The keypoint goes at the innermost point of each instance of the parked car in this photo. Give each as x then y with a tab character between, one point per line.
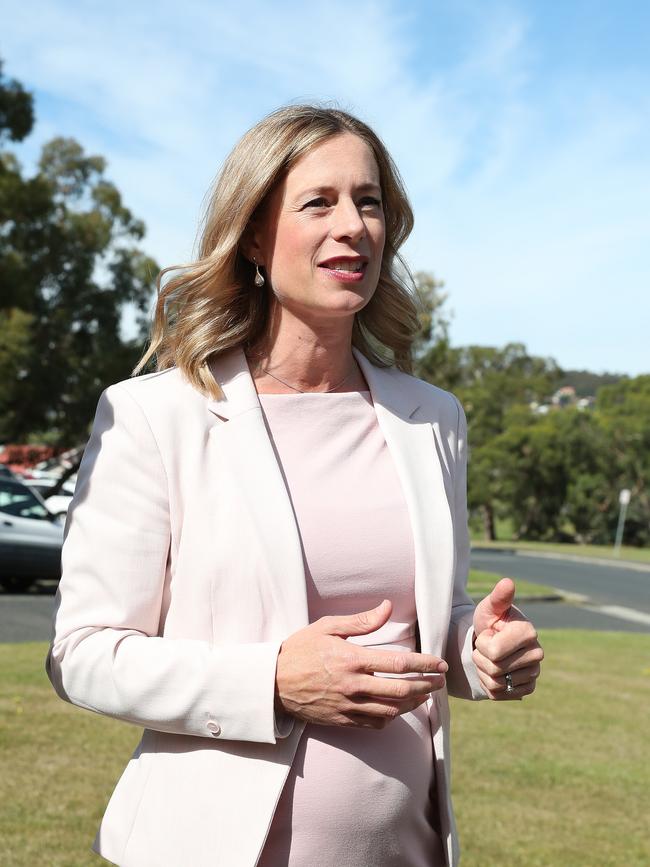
58	503
31	537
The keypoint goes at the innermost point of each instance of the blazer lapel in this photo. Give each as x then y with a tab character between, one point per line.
418	460
412	446
243	437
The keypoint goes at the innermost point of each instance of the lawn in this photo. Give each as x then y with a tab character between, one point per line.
480	583
561	779
504	534
600	552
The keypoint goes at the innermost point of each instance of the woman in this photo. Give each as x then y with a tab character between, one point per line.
265	560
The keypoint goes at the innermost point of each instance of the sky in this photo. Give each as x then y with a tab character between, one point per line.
521	129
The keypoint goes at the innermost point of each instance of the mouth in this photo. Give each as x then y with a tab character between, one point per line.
345	267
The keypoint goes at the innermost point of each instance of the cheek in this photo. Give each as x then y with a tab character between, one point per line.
378	242
292	246
381	234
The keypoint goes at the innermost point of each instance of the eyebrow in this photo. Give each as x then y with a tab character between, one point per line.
325	188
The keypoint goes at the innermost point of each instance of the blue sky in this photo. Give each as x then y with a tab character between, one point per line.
522	130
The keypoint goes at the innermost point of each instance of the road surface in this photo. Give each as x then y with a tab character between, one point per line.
616	598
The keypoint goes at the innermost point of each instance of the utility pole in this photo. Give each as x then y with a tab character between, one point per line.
624	500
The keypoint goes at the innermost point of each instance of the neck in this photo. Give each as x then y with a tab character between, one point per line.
308	358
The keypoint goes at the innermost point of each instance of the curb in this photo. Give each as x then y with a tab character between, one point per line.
572	558
556	596
560	596
593	561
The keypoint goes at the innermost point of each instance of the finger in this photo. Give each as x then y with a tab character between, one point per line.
398	662
516	694
514	614
519	678
502	596
360	721
384	709
360	623
520	659
518	691
392	688
514	636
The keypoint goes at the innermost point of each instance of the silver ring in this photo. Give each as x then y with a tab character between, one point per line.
510	687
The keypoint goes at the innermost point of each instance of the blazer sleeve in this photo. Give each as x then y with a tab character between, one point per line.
462	677
107	653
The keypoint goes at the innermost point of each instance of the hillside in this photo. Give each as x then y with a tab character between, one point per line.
587	383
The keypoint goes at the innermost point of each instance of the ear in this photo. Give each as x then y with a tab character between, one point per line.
251	244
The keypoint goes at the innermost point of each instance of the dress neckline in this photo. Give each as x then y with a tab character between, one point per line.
318	394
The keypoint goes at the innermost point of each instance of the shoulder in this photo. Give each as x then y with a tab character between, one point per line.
151	386
434	403
155	394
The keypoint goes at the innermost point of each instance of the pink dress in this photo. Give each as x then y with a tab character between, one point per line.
353	798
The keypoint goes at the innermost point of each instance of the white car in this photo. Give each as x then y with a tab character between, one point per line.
30	537
58	503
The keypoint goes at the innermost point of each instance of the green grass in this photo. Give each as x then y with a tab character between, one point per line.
560	779
59	765
480	583
505	530
601	552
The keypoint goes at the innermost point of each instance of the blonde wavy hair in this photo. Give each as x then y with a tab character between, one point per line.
212	305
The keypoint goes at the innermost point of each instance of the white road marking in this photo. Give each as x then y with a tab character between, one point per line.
622	613
612	563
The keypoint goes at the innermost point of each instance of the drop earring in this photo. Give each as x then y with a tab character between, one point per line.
259	277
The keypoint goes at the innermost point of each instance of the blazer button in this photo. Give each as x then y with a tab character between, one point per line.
214	727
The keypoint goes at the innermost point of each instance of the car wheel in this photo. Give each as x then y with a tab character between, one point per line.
13	584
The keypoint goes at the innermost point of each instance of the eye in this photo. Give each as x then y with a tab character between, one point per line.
370	201
320	202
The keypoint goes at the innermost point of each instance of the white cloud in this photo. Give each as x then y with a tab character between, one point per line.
530	195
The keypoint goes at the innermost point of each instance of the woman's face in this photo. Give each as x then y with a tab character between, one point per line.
322	239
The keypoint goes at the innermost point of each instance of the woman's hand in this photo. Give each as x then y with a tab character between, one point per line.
324	679
505	643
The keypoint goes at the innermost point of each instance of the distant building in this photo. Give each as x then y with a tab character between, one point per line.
565	396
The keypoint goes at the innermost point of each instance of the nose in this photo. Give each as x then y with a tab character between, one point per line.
347	221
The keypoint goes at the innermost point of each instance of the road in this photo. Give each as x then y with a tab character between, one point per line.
25	616
618	599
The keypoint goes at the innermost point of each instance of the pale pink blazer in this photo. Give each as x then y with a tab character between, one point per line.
183	573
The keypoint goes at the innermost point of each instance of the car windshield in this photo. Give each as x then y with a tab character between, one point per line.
43	490
18	500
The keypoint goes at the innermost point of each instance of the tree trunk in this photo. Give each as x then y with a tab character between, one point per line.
65	475
488	522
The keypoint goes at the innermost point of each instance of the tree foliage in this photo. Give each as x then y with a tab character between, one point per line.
623	410
489	382
434	320
16	109
69	263
554	476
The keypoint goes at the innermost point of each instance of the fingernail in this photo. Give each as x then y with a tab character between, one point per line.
442	667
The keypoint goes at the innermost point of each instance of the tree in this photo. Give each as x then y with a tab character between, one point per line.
69	263
623	410
554	475
489	382
434	321
16	109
